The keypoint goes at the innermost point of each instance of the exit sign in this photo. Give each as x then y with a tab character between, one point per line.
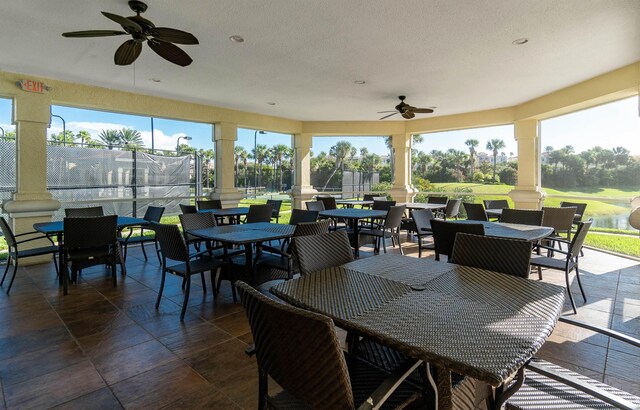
33	86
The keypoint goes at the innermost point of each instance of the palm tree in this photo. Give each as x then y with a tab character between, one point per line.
621	155
110	138
259	155
472	144
239	153
340	152
388	141
495	145
130	138
67	138
280	154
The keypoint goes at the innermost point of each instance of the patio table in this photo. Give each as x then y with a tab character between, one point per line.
350	203
423	205
512	231
474	322
353	215
233	214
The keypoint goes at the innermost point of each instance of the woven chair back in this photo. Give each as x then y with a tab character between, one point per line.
312	228
508	256
522	216
382	205
422	219
198	220
7	232
300	216
475	212
153	213
580	209
560	219
579	237
299	350
259	213
317	206
317	252
437	199
276	205
329	202
394	217
188	209
171	242
496	204
80	212
368	197
444	234
90	232
209	204
453	208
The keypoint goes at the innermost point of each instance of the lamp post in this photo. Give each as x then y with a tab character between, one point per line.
186	138
2	129
255	160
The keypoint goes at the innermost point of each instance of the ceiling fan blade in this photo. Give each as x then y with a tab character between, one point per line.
173	35
127	52
408	115
129	25
170	52
423	110
382	112
390	115
93	33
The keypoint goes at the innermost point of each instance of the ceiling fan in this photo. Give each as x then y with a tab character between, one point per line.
407	111
160	39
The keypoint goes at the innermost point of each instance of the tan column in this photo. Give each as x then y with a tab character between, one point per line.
31	202
402	191
224	136
302	190
528	193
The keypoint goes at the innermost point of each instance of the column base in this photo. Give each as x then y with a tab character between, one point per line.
300	195
528	198
403	194
229	199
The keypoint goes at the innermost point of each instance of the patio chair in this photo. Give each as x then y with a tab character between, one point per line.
508	256
444	235
198	220
389	229
152	214
580	209
495	203
522	216
422	222
259	213
560	219
90	241
317	252
15	249
475	212
317	206
209	204
559	388
328	201
188	209
382	205
452	209
437	199
80	212
174	248
368	197
569	262
276	204
300	216
286	336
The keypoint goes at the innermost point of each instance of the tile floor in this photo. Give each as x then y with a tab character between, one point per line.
104	347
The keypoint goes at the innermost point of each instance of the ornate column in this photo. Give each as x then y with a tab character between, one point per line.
31	202
302	190
224	136
528	193
402	191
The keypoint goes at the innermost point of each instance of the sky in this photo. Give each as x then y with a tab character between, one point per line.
609	125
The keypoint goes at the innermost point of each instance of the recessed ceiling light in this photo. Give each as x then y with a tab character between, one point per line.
236	39
271	103
520	41
360	82
155	80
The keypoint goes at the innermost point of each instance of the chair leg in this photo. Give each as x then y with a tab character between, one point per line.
384	243
158	251
143	252
113	273
213	281
580	284
419	247
539	273
186	298
6	269
573	304
164	274
399	244
15	270
204	283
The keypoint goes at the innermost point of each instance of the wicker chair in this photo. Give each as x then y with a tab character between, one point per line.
560	219
382	205
496	204
318	252
580	209
16	252
444	235
569	262
317	206
300	215
422	222
275	212
452	209
90	241
209	204
259	213
555	388
286	336
328	201
522	216
199	220
437	199
81	212
508	256
152	214
389	229
188	209
173	247
475	212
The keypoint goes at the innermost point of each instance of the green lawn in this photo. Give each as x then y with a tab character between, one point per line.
625	244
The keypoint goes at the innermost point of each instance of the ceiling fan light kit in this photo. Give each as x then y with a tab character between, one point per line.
160	39
407	111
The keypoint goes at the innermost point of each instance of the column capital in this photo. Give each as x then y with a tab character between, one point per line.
29	107
525	130
225	131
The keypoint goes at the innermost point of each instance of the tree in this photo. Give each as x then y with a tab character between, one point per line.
67	138
388	141
281	153
340	152
206	156
130	138
621	155
495	145
259	155
239	153
110	138
472	144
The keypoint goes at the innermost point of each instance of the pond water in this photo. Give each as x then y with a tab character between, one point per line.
612	221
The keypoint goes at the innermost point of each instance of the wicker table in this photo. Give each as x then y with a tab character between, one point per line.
233	214
474	322
353	215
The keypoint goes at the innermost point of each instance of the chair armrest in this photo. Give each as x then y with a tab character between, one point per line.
198	254
275	250
27	233
386	389
602	330
552	249
35	239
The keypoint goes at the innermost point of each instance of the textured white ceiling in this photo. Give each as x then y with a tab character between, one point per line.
305	55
